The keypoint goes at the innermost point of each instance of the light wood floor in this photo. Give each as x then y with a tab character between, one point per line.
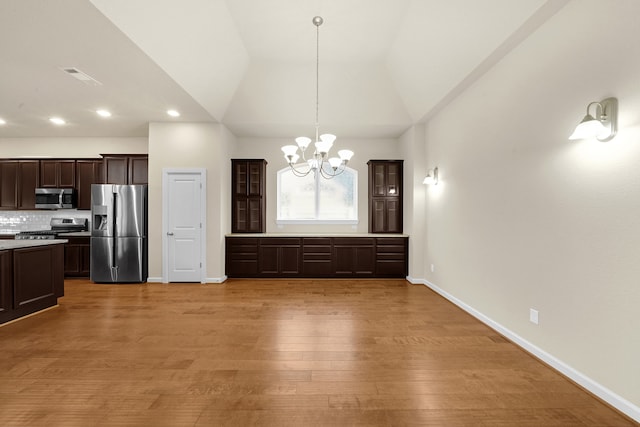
275	353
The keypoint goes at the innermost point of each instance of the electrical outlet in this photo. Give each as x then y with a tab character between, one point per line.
533	316
432	268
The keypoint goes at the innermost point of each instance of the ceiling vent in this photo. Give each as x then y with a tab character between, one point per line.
79	75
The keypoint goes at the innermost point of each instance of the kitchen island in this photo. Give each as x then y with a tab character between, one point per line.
363	255
31	276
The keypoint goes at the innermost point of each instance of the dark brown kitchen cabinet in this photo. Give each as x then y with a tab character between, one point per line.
6	282
391	256
354	256
308	257
248	199
77	257
317	257
279	257
88	172
8	184
241	257
28	181
18	182
126	169
30	289
385	196
57	173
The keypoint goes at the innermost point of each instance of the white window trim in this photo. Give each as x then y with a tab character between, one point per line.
280	221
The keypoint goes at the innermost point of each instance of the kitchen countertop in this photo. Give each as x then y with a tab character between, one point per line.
315	235
19	244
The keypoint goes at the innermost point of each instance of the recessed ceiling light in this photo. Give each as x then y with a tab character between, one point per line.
57	121
103	113
173	113
2	122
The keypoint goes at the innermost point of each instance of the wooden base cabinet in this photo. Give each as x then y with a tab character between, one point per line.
317	257
354	256
77	257
6	283
25	289
391	257
241	257
279	257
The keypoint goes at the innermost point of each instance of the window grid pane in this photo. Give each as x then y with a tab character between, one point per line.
316	198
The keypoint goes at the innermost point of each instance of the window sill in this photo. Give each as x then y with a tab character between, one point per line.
317	221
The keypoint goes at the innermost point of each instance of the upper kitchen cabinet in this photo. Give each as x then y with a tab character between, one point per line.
126	168
248	198
18	182
385	196
88	172
57	173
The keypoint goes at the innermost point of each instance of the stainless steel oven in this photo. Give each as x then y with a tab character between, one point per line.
59	226
55	198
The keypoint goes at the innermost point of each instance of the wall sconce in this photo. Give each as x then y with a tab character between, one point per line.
432	177
603	126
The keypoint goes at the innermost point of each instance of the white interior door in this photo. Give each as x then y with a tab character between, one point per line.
184	226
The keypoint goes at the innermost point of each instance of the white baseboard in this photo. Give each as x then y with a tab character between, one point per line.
208	279
599	390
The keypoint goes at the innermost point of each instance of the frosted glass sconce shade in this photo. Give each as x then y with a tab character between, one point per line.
603	125
432	177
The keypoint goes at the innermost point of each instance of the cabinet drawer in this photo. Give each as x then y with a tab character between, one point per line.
241	241
317	241
353	241
280	241
244	256
385	249
390	268
390	256
399	241
314	257
317	249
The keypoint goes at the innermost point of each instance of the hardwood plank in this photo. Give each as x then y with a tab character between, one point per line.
275	353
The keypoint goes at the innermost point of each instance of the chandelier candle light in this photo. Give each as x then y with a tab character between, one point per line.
320	162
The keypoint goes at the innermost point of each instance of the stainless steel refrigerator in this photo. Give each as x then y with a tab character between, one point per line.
118	233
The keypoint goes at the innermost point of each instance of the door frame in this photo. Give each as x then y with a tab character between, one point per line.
166	172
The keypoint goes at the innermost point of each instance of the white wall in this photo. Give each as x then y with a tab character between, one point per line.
364	149
415	169
524	218
71	147
191	145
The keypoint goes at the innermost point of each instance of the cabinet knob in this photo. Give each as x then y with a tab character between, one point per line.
169	233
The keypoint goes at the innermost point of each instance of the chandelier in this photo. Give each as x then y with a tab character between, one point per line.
319	161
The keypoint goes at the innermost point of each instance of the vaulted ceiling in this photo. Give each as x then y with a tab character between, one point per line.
250	64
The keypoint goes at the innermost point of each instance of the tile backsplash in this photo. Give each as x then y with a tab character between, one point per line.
12	222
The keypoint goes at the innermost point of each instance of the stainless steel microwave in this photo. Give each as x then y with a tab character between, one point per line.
55	198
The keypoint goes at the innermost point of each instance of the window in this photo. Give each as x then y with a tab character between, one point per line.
313	199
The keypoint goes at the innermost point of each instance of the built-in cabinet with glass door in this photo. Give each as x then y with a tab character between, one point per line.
385	196
248	198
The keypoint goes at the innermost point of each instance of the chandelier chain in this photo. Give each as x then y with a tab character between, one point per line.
319	163
317	80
